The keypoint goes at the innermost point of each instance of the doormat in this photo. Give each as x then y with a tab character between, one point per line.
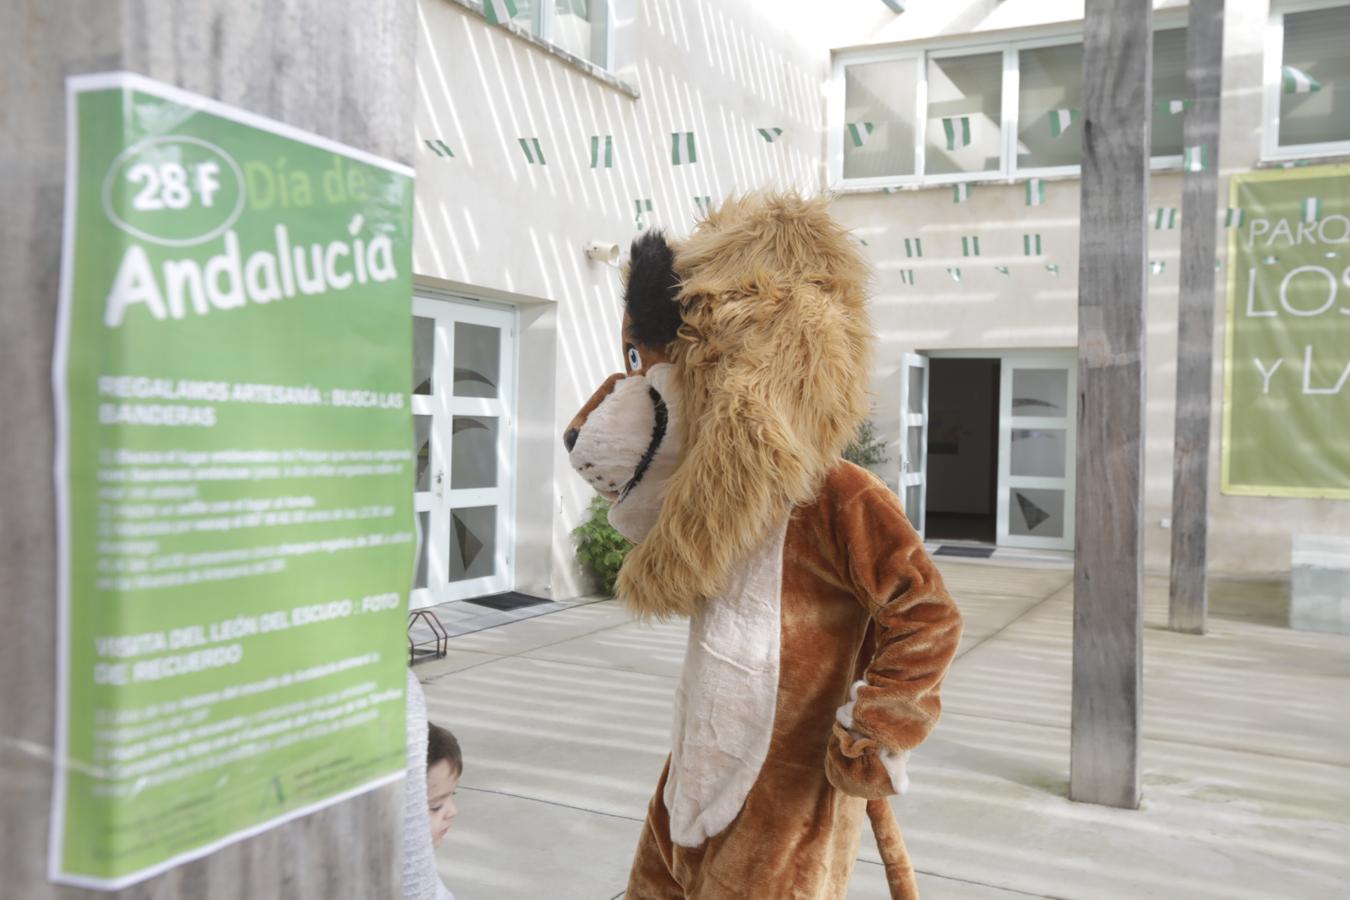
508	601
973	552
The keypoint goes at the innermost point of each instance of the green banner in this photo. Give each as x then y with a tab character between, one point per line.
1287	373
233	476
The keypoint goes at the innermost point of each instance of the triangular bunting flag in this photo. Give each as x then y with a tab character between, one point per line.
1061	119
1296	81
599	160
682	148
957	129
1035	192
859	132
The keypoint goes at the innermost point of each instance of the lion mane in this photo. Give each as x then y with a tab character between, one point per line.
772	360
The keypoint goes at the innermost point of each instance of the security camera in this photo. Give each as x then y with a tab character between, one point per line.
603	251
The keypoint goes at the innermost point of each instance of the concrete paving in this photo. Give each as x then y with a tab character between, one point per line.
564	720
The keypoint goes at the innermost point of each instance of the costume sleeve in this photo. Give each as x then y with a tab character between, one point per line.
918	628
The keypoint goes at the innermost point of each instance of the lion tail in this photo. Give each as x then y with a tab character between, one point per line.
891	846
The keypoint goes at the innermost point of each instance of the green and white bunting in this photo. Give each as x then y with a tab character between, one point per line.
955	272
1031	245
1061	119
599	159
703	204
770	134
440	148
1296	81
682	148
1002	270
913	247
890	190
1156	266
859	132
970	246
1234	218
960	192
1165	218
1172	107
1052	269
907	276
1036	192
534	154
640	210
499	11
1195	159
1312	210
957	130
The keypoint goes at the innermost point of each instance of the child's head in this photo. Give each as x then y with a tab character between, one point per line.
444	766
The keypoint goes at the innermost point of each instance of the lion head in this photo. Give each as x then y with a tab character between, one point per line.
747	354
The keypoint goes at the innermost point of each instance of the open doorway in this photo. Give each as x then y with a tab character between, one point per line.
962	476
987	446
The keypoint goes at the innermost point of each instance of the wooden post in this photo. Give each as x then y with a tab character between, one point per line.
1195	318
341	68
1112	279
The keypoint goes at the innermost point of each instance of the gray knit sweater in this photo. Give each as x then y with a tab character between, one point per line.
420	879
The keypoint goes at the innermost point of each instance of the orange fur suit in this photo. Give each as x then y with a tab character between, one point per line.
819	630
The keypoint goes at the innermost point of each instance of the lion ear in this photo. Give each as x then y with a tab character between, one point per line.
651	291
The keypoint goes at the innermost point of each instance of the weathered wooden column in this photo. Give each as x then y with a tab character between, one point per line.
341	68
1112	278
1195	318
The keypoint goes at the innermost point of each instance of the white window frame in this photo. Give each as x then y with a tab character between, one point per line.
1273	84
1008	169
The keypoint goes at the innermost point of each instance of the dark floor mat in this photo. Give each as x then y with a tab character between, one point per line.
973	552
508	601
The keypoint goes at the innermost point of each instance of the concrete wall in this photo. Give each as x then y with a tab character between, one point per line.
1032	308
489	224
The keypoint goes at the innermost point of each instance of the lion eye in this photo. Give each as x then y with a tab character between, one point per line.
634	358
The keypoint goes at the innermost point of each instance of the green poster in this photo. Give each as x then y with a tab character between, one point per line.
233	477
1287	373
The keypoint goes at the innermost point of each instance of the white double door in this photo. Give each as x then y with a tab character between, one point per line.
1037	435
463	405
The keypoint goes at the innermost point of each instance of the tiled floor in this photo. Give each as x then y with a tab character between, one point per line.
564	720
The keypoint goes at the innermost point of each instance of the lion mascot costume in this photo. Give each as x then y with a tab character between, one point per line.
819	630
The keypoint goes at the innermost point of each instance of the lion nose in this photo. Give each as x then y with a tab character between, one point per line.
570	439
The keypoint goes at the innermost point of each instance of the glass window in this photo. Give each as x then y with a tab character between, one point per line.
473	452
1038	452
879	118
424	354
1169	90
473	542
1050	83
579	28
965	114
1315	77
477	360
1036	512
1040	393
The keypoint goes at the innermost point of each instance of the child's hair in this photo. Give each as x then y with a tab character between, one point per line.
441	745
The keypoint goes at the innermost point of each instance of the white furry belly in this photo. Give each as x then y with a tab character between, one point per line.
728	694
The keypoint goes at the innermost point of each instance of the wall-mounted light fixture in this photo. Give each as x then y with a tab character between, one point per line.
603	251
